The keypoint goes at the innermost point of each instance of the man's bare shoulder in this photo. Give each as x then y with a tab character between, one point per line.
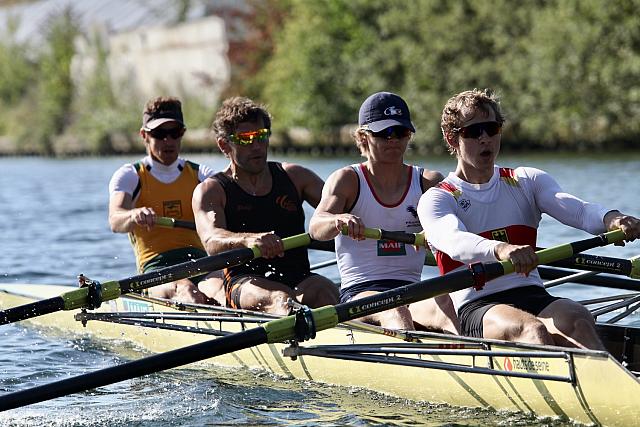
209	184
209	189
295	168
431	178
298	172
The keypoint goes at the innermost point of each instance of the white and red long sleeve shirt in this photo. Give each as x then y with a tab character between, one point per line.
464	222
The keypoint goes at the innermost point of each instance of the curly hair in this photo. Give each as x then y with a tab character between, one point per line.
461	105
237	110
162	103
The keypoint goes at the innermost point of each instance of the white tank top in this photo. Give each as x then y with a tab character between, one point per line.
366	260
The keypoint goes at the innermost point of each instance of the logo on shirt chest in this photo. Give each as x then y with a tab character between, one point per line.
391	248
285	203
172	208
465	204
500	235
415	222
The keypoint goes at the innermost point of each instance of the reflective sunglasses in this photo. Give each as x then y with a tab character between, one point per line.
476	129
162	133
397	132
248	138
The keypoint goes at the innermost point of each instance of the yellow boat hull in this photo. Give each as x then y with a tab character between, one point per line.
585	386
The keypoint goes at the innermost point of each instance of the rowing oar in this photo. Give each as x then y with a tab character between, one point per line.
602	264
92	295
558	276
594	263
167	222
301	326
164	221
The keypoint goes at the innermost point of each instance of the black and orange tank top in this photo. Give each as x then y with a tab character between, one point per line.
280	210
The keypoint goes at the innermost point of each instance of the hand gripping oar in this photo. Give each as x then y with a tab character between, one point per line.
301	326
93	295
164	221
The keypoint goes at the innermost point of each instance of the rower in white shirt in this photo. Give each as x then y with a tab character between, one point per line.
483	212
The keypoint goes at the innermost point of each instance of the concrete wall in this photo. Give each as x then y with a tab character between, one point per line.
188	59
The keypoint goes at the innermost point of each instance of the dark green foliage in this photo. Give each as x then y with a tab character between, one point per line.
102	122
44	112
567	70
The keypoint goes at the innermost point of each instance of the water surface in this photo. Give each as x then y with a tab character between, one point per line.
53	226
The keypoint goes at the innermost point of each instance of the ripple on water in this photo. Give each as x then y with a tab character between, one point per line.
51	235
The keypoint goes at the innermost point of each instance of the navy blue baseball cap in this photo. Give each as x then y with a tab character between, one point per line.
384	109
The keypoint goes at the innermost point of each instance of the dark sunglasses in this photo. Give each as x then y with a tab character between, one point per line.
397	132
248	138
162	133
476	129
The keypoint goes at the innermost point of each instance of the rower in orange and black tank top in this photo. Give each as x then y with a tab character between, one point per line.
280	211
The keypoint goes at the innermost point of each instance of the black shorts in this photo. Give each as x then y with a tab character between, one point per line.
232	285
347	294
532	299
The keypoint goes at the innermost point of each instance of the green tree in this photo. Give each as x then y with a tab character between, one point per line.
585	68
16	69
100	118
320	70
54	88
567	70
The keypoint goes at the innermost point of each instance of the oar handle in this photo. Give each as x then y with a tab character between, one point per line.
288	243
549	255
164	221
397	236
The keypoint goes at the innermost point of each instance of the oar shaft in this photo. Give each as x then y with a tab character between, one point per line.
556	253
38	308
164	221
598	263
110	290
415	292
550	273
186	270
397	236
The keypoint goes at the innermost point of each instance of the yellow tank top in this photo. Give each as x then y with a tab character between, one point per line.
171	200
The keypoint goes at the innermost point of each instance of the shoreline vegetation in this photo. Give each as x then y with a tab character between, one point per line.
567	72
